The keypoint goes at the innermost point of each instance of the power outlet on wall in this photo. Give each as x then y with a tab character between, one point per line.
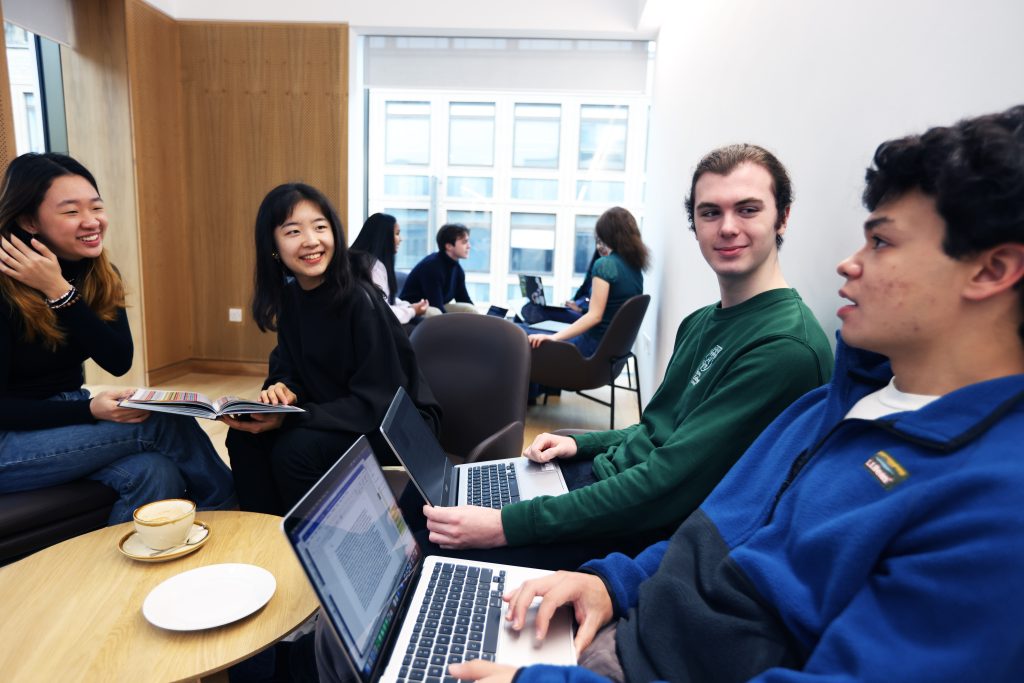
234	315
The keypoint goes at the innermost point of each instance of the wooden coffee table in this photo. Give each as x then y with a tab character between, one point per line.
73	612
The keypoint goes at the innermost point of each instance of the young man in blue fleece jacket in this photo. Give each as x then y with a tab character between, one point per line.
874	531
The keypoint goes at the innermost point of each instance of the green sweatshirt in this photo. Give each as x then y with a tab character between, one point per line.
732	372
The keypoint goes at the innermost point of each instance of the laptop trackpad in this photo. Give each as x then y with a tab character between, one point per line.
536	479
520	648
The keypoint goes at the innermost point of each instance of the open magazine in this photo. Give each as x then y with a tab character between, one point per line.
198	405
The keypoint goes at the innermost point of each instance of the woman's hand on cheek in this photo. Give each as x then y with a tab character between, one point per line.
34	266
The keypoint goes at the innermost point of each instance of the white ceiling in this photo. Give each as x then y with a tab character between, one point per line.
535	18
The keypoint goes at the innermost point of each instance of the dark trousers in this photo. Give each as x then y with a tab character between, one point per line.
273	470
568	554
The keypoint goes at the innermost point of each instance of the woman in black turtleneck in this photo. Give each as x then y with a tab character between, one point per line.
62	303
341	354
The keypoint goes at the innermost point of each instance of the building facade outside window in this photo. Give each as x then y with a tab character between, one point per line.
527	173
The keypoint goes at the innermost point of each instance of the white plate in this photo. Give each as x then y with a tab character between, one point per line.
208	596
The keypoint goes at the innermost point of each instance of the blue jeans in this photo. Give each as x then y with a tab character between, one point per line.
165	456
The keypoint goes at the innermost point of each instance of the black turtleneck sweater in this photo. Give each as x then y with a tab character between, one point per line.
30	372
438	279
345	360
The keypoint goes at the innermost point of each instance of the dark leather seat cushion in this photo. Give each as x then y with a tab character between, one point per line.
26	510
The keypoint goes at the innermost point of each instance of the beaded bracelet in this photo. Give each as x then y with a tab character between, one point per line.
63	301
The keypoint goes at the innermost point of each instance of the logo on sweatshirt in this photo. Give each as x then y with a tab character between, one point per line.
705	365
886	469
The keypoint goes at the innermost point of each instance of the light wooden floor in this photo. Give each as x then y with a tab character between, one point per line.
567	411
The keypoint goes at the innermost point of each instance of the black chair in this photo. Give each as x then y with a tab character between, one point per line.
560	364
33	520
477	367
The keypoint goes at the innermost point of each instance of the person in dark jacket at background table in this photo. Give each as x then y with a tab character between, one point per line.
438	277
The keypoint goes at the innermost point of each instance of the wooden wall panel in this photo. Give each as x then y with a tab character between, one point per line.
264	104
99	135
154	73
8	148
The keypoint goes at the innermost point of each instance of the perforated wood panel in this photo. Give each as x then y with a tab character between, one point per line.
264	104
154	75
8	150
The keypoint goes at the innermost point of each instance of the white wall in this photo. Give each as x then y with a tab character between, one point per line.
821	84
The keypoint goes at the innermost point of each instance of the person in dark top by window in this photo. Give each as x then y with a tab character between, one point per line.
340	354
62	303
438	277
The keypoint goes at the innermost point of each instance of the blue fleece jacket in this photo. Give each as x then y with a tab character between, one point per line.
842	550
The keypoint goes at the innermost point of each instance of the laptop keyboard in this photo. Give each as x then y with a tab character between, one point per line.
458	621
492	486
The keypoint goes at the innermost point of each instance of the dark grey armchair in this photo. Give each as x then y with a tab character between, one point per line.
33	520
477	367
560	364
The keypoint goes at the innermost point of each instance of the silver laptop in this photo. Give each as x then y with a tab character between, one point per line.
400	617
549	326
494	483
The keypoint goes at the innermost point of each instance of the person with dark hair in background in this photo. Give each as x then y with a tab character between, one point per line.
379	238
438	277
62	303
617	277
873	532
340	354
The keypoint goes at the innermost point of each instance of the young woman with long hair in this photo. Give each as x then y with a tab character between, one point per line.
341	354
62	303
379	239
616	277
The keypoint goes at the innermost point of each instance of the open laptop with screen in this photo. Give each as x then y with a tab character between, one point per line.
494	483
384	600
532	287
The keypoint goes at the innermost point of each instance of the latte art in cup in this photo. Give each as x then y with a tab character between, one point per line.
164	524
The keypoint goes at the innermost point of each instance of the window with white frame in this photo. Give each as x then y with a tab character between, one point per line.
527	173
36	91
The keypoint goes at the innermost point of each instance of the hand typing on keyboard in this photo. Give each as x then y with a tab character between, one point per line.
585	592
465	526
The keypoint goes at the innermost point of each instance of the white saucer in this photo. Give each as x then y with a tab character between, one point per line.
132	546
208	596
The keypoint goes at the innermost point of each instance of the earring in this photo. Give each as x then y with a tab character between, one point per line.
276	257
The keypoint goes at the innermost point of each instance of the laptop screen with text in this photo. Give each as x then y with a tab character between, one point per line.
357	551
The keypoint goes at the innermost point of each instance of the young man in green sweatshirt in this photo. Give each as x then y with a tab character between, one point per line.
736	365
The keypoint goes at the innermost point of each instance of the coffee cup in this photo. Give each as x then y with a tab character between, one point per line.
164	524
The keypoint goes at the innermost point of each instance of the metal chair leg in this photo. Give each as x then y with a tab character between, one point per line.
611	383
639	402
